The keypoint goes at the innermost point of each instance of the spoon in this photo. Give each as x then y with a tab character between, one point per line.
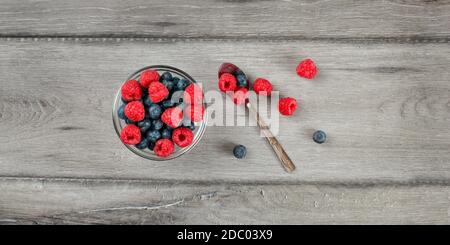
286	162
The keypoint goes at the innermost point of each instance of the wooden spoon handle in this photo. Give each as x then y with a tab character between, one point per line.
286	162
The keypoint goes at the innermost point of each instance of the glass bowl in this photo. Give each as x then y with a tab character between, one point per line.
147	153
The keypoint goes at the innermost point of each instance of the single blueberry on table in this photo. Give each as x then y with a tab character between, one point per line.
157	124
153	135
319	136
240	151
154	111
182	84
169	84
143	144
144	125
241	81
166	76
166	133
121	112
151	145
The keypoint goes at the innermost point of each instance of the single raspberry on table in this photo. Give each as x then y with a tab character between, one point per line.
227	82
193	94
307	69
287	106
130	135
195	112
240	96
157	92
262	86
131	90
172	116
149	76
163	147
182	137
135	111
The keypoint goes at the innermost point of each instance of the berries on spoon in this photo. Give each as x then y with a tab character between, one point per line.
240	96
227	82
262	86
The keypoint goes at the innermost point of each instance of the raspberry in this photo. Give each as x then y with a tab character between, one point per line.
195	112
135	111
157	92
287	106
307	69
182	137
240	96
262	86
130	135
172	116
148	77
163	147
193	94
131	90
227	82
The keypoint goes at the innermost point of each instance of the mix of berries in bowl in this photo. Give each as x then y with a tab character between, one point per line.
159	112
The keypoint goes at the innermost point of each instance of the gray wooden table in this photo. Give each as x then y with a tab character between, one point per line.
383	97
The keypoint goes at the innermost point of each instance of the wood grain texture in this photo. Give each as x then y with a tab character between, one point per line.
42	201
407	20
385	107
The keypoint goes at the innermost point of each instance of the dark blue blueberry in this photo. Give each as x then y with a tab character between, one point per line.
240	151
147	102
319	136
151	145
121	112
241	81
143	144
153	135
167	103
154	111
175	80
169	84
157	124
166	133
182	84
239	72
128	121
144	125
123	100
166	76
144	93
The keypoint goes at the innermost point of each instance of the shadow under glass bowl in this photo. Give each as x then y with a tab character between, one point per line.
200	127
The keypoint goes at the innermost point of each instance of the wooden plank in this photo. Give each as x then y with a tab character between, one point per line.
41	201
276	19
385	108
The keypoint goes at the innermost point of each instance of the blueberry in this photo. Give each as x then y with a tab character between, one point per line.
153	135
154	111
239	151
157	124
151	145
182	84
319	136
128	121
169	84
175	80
121	112
144	125
166	133
238	72
123	100
143	144
166	76
167	103
147	102
241	81
144	93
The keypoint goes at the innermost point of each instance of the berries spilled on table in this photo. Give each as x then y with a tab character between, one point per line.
307	69
319	137
240	151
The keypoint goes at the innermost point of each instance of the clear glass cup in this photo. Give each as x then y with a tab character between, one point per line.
200	127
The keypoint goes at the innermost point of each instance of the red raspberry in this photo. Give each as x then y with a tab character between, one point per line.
262	86
130	135
131	90
195	112
163	147
307	69
287	106
135	111
182	137
172	116
193	94
157	92
227	82
240	96
148	77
